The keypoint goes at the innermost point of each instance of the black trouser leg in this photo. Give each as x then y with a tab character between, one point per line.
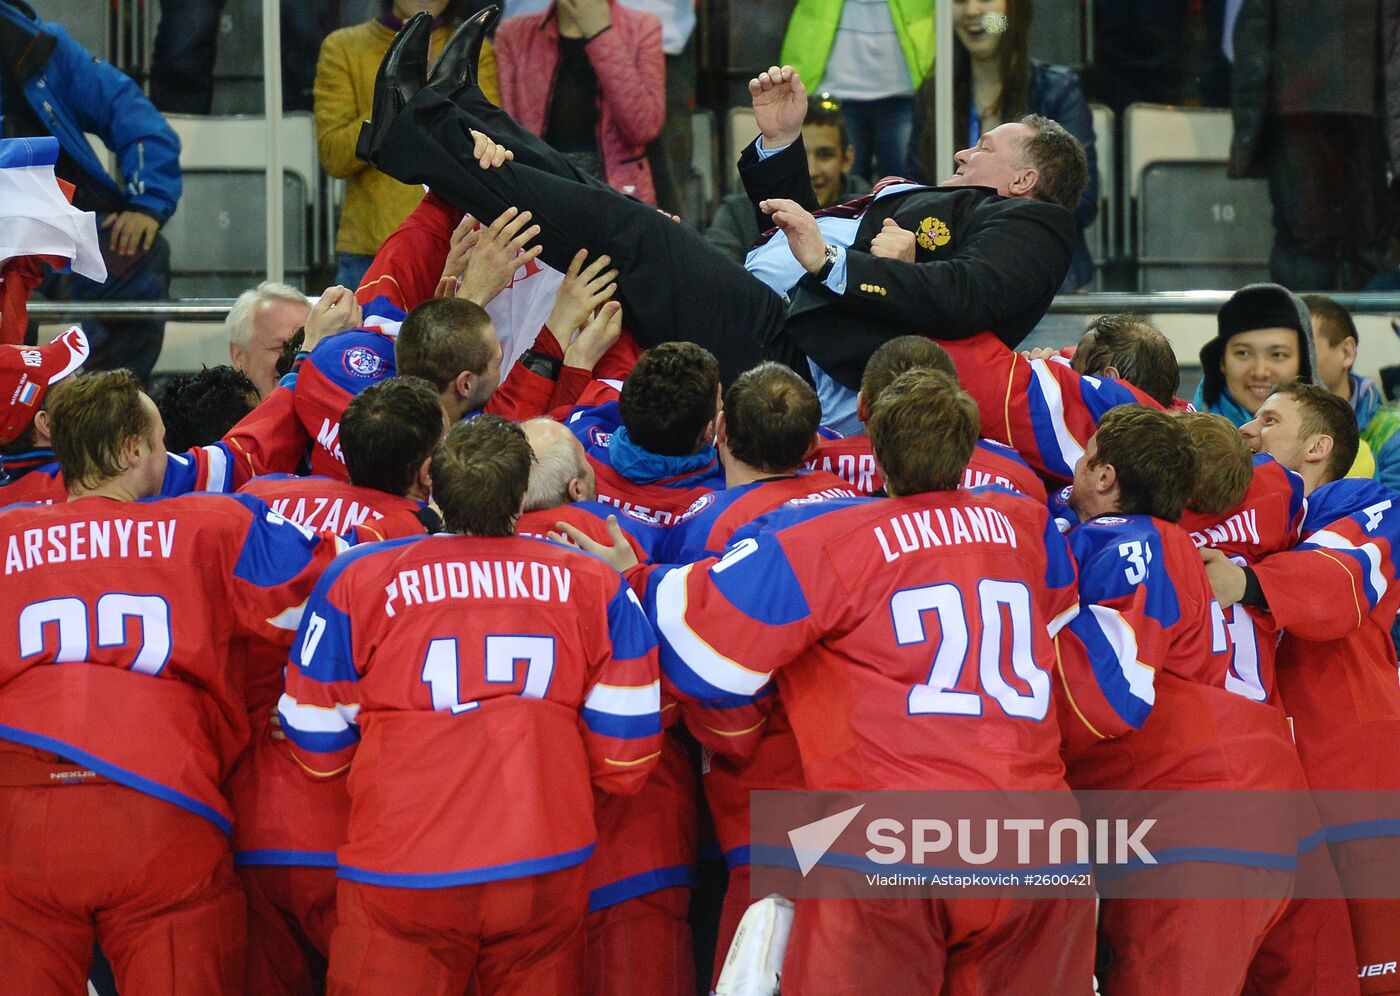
529	148
673	284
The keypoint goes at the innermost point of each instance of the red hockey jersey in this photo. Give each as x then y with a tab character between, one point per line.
858	600
1266	521
472	668
1158	655
1040	408
851	459
1334	597
139	601
364	515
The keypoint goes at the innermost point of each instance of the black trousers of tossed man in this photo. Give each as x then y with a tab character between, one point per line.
988	263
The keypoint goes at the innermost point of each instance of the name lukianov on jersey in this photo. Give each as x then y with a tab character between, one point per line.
70	542
925	529
477	579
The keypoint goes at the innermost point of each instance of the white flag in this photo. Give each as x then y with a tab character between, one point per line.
35	218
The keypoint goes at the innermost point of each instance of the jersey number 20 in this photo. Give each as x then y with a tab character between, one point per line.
939	695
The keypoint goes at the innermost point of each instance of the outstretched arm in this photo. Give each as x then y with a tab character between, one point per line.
779	170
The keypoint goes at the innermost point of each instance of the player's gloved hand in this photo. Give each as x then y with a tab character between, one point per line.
620	554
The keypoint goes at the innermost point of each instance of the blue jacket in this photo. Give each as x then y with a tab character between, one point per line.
72	92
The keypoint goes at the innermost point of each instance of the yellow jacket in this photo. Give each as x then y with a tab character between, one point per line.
374	203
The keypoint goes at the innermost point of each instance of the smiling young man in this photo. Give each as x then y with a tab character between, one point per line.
1263	339
830	156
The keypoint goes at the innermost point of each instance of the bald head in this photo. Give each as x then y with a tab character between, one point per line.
561	472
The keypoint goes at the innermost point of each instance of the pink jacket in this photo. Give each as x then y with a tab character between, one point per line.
631	71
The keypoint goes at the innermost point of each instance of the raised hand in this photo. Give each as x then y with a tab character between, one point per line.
335	312
500	250
779	104
595	340
804	237
460	245
893	242
584	289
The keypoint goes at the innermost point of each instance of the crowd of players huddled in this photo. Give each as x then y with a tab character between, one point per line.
492	757
431	658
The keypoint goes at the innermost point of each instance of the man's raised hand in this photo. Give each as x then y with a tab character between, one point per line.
335	312
487	153
499	252
460	245
780	105
596	339
804	237
584	289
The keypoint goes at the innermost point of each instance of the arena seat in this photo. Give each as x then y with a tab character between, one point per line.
1101	235
703	167
739	131
1192	226
218	234
1198	228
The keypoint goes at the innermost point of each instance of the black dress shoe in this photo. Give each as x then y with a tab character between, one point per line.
455	68
401	75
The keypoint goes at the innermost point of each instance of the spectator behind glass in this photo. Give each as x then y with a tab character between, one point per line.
872	55
186	44
374	204
259	323
605	99
51	85
995	80
829	158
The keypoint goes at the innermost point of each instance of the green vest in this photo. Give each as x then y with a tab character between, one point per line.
812	31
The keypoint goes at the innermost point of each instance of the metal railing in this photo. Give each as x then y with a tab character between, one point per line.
1202	302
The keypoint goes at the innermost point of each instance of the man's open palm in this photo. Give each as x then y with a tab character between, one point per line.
779	104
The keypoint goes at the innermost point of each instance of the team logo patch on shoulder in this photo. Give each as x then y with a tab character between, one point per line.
697	506
597	437
932	234
362	361
1108	520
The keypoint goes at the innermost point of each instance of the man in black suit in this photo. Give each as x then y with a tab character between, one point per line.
985	251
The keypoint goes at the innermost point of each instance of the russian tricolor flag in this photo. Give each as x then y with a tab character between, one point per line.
35	217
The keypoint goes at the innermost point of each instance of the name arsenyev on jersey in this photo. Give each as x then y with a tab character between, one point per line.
85	540
437	581
921	530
